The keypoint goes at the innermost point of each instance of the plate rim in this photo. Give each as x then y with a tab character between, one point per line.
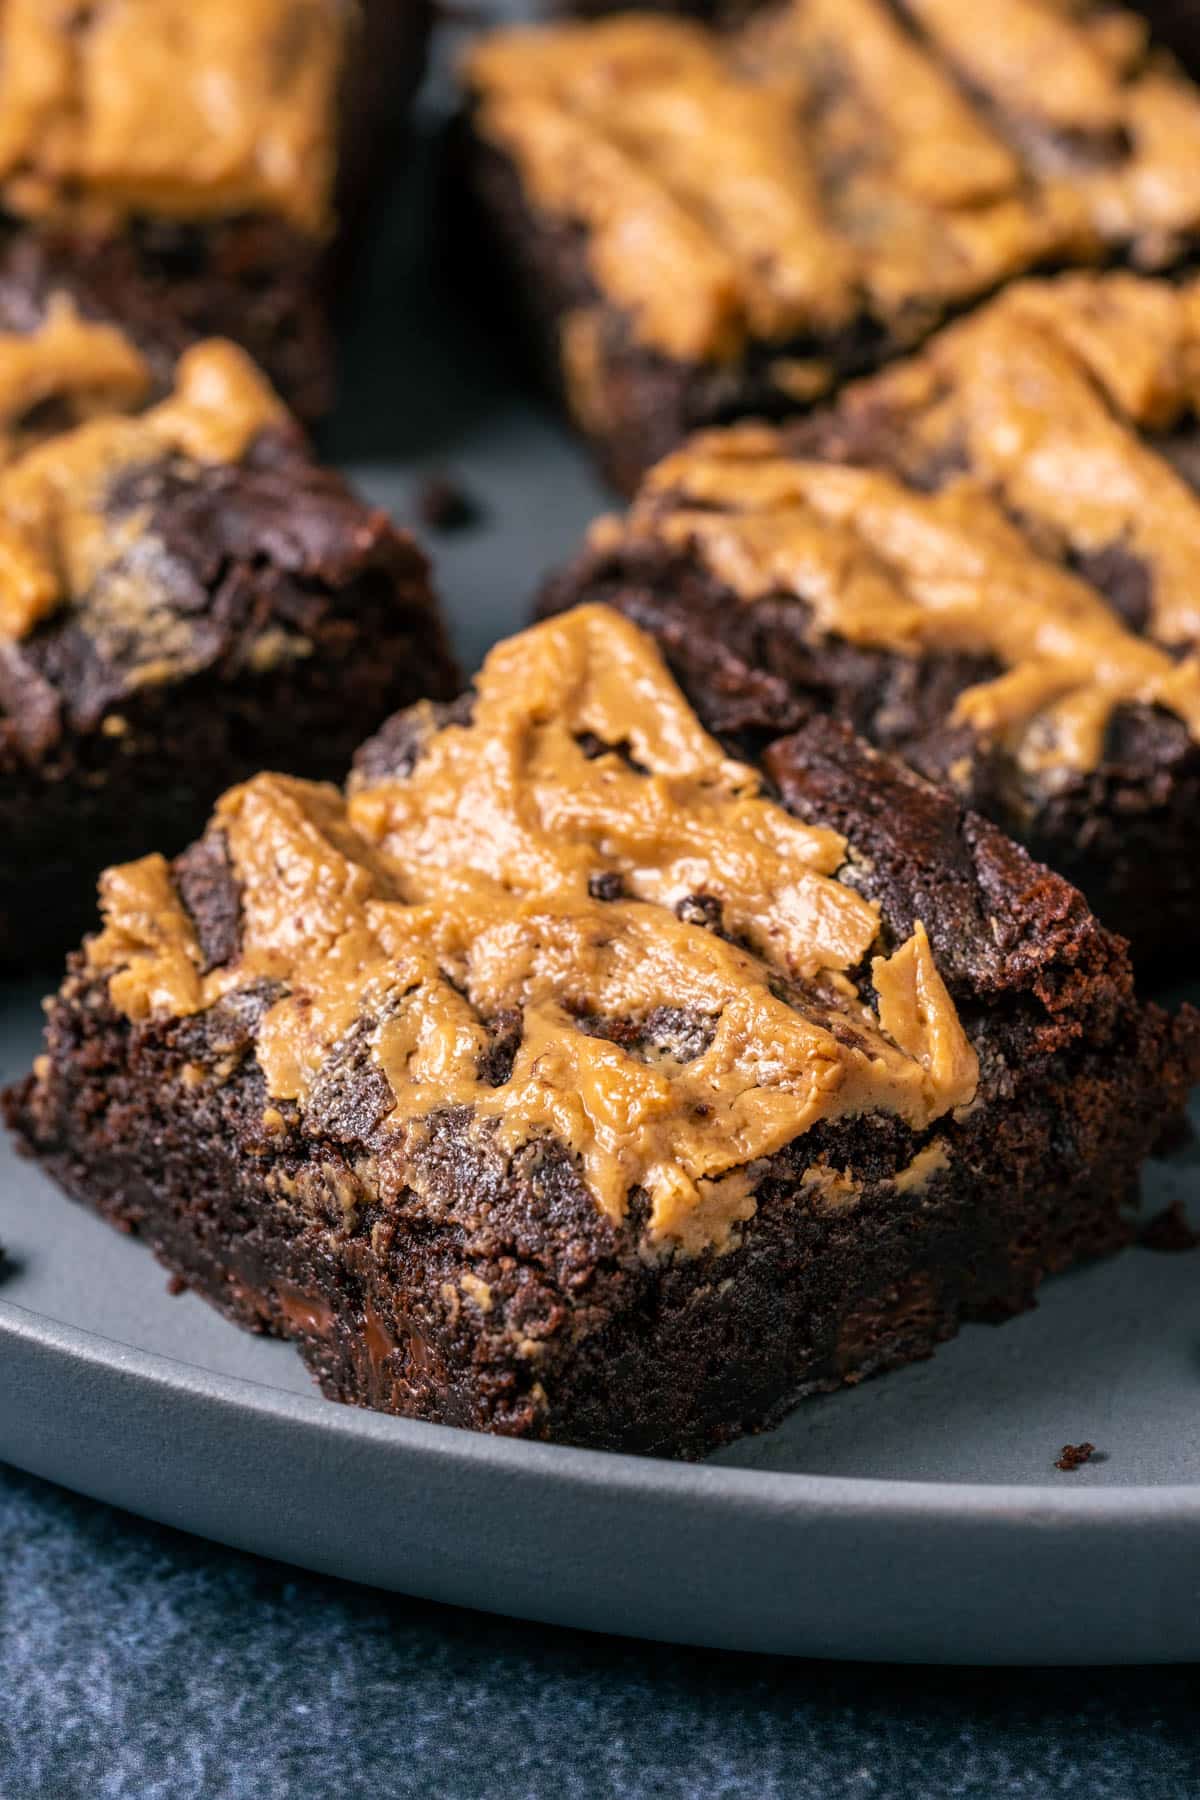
1015	1503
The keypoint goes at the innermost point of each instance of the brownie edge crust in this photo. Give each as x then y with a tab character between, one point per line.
444	1128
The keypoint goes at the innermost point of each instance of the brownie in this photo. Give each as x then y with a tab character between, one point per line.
983	558
186	598
702	225
180	166
568	1078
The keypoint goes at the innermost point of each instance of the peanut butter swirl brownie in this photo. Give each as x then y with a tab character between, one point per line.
985	558
184	598
705	225
566	1077
180	165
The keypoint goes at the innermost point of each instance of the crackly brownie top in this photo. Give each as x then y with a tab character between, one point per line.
840	156
189	108
954	503
576	858
73	424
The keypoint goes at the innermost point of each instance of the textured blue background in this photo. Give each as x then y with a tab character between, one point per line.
137	1662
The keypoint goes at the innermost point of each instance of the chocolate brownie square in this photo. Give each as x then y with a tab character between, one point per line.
568	1078
185	598
701	225
180	166
984	558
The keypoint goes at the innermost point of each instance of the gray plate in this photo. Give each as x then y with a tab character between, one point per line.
916	1518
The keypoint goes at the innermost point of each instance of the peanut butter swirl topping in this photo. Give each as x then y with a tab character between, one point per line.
1045	393
840	156
55	538
191	108
1039	396
431	905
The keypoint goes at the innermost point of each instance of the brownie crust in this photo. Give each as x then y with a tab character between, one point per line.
488	1289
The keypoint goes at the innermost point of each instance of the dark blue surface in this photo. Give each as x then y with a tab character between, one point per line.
137	1662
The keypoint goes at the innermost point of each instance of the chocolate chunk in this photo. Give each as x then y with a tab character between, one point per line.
700	909
606	886
208	888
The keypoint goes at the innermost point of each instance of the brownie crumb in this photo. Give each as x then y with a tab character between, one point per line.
443	504
1074	1456
176	1285
1169	1230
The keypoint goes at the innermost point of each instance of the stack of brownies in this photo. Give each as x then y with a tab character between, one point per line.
702	1008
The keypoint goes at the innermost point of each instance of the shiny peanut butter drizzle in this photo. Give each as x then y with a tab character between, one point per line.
431	904
1039	393
831	157
191	108
55	538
